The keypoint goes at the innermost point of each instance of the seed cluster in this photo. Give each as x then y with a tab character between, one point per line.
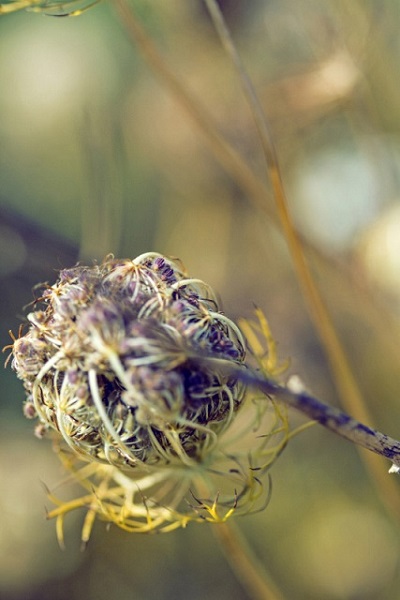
111	361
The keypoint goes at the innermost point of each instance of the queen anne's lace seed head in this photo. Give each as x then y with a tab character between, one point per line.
110	361
135	370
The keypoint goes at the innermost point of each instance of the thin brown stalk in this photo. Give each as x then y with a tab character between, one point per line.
246	566
248	570
231	160
345	381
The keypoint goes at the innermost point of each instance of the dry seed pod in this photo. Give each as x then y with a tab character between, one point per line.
109	361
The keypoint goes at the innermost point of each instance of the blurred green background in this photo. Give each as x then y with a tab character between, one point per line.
97	156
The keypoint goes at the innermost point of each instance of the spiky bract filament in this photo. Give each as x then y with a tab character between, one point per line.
228	480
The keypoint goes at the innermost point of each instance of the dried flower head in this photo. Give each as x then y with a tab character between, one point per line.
123	361
110	362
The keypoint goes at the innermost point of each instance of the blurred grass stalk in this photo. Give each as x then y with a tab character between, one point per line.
257	193
346	384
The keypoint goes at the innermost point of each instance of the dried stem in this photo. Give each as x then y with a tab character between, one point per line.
295	396
336	420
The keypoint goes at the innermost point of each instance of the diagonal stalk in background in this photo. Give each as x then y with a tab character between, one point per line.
348	389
